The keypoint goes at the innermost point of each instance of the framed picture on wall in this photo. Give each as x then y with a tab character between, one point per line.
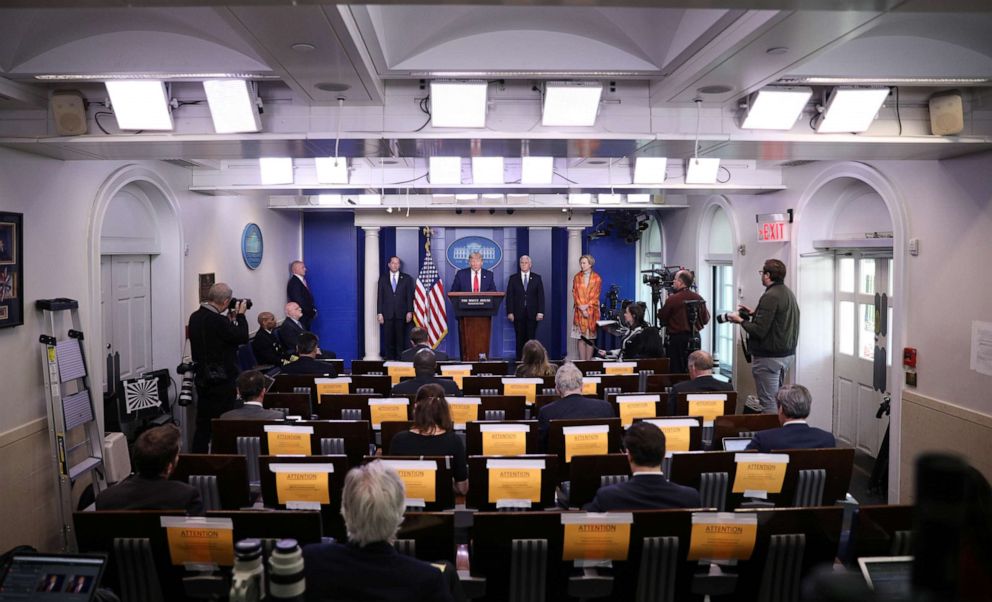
11	269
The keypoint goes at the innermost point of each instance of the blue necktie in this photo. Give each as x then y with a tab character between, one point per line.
394	283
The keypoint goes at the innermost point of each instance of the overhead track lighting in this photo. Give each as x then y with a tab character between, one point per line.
233	106
571	103
851	109
650	170
776	108
458	104
276	170
140	105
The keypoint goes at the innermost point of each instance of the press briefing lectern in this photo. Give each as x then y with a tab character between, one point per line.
475	313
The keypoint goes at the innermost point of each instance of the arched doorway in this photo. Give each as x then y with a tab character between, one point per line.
717	244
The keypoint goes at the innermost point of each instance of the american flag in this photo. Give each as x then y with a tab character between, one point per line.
428	303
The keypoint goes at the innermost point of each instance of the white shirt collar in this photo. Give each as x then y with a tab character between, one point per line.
648	472
253	403
794	421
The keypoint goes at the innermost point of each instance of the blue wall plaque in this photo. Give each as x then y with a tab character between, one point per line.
251	246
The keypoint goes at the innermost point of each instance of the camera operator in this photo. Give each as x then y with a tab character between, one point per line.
675	315
640	340
773	331
214	339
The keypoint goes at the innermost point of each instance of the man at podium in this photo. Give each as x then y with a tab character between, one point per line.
474	279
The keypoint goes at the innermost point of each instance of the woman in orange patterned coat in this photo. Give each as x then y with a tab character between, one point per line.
586	287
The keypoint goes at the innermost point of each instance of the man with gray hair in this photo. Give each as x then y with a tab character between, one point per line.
524	303
369	567
568	382
701	379
215	331
793	407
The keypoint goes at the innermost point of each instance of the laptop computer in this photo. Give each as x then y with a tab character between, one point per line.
890	576
735	443
52	577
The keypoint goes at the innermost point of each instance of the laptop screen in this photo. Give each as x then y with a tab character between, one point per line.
735	443
890	576
51	577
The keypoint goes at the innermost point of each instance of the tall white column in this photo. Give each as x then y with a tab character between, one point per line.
371	282
574	253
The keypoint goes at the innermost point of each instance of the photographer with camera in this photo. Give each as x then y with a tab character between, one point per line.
773	332
214	339
683	336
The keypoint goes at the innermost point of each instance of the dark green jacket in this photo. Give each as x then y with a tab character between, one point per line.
774	329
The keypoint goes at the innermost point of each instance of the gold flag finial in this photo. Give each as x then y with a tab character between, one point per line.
428	232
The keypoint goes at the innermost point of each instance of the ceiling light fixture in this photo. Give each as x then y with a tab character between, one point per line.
776	108
466	197
140	105
458	104
885	81
370	199
487	170
610	199
276	170
233	106
445	170
851	109
650	170
639	198
571	103
331	170
582	198
329	199
698	170
160	76
537	170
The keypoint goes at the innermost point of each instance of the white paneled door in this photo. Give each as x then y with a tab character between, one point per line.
127	311
856	340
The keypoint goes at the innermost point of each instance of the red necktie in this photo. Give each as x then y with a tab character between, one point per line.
475	282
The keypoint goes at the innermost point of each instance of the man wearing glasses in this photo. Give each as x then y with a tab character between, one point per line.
773	331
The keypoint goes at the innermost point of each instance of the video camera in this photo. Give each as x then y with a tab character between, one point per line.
660	278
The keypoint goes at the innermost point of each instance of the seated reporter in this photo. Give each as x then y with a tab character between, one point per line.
368	567
641	340
251	390
155	455
433	434
568	384
534	361
647	488
424	365
794	403
419	339
701	379
307	348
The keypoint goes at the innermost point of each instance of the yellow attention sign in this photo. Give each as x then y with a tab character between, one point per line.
504	443
636	409
200	545
731	540
457	373
596	541
289	443
589	386
528	390
387	412
397	372
586	442
419	483
676	438
760	472
302	487
332	388
514	484
464	412
707	407
619	368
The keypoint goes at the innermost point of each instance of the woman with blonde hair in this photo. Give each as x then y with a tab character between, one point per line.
534	361
586	288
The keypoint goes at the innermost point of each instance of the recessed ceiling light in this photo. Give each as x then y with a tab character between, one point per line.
303	47
458	104
571	103
140	105
851	109
714	89
332	87
776	108
445	170
777	50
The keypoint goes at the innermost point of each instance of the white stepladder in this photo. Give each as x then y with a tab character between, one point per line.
77	444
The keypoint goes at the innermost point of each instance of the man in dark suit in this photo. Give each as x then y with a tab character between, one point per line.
568	382
701	379
394	307
291	328
524	303
647	488
214	340
474	279
368	567
307	348
424	365
251	388
298	291
794	402
418	338
265	344
156	453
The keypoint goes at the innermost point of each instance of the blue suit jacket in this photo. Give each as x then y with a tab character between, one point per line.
463	281
573	406
645	492
792	436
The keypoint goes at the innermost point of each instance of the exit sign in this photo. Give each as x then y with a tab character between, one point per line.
774	227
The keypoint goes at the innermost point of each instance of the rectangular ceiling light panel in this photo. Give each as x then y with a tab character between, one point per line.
276	170
445	170
701	171
537	170
650	170
571	103
232	106
140	105
329	199
776	108
331	170
369	199
458	104
610	199
639	198
851	109
582	198
487	170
